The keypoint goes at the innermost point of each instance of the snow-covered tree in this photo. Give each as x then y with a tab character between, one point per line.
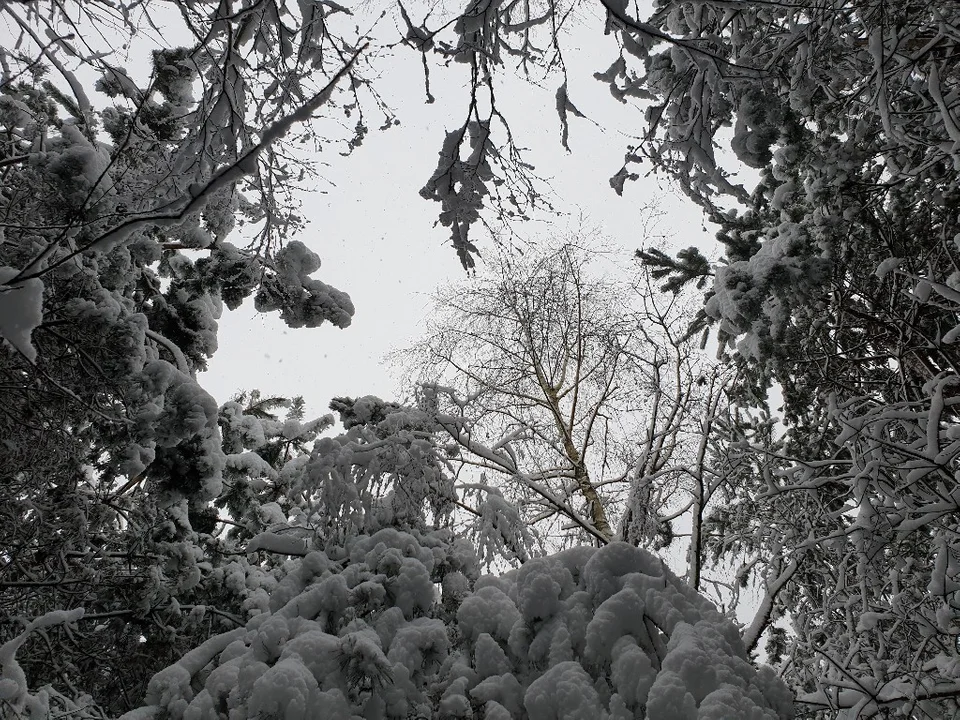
111	453
838	284
154	573
380	611
570	393
383	613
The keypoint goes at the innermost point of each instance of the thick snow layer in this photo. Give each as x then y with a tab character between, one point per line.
597	634
283	544
303	301
564	692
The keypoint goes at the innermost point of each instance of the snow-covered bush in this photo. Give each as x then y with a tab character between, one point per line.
386	626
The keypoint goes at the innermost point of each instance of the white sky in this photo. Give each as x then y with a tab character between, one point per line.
376	236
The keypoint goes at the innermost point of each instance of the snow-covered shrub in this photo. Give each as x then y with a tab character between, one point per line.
361	630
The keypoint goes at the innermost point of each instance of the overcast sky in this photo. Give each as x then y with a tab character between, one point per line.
376	235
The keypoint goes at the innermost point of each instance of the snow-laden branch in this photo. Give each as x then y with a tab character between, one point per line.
14	693
201	193
870	699
48	50
178	356
280	544
751	635
618	10
454	428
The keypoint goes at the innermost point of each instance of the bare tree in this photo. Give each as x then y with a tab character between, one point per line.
538	352
573	391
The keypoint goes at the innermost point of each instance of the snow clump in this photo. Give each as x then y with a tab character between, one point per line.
397	624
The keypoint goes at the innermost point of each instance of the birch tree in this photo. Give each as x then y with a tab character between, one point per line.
539	357
572	394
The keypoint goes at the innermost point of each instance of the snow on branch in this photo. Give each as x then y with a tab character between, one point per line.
280	544
201	193
14	693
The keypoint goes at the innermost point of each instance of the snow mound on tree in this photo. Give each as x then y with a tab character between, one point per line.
388	627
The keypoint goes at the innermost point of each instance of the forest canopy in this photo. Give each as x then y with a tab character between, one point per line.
165	554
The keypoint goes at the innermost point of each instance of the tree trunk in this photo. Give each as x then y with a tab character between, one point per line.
598	515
